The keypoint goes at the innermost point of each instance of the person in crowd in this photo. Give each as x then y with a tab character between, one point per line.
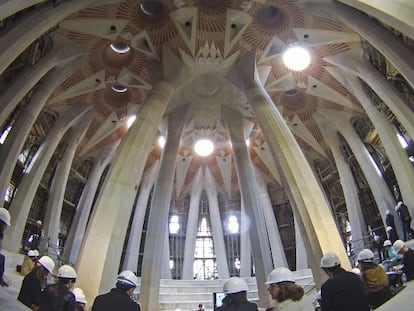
80	299
4	223
379	245
389	219
392	234
200	307
34	282
343	291
36	235
29	262
289	296
236	296
393	258
374	278
408	259
58	297
405	220
119	298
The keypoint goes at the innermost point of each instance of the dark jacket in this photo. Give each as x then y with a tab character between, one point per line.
31	291
57	297
408	262
247	306
344	292
116	300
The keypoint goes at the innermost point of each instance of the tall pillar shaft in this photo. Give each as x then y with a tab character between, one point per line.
83	209
301	254
192	226
101	251
22	201
245	245
9	7
248	186
57	191
134	242
154	251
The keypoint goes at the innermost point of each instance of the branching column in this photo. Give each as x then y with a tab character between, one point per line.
245	245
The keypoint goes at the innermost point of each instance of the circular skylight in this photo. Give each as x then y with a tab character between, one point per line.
296	58
120	48
204	147
119	88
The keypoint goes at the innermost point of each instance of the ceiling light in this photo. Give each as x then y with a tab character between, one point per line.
204	147
131	120
296	58
119	88
247	142
402	141
161	141
120	48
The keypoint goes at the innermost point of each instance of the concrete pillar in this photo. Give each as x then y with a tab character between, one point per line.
352	63
22	201
353	206
60	179
17	89
83	209
134	242
21	128
9	7
100	254
248	185
303	189
376	182
165	257
158	216
276	246
301	254
28	29
216	225
192	227
245	245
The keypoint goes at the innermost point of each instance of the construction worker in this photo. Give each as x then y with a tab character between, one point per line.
289	296
80	299
343	291
120	297
58	297
4	223
236	296
407	260
33	283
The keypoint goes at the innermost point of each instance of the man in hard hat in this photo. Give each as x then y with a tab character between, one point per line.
405	220
120	297
374	279
235	290
343	291
289	296
80	299
58	296
4	223
408	258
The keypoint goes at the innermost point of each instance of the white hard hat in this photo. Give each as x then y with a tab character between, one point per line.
39	222
47	263
79	295
67	272
366	255
387	212
31	253
389	228
330	260
5	216
356	271
387	243
280	274
36	252
128	278
235	285
398	245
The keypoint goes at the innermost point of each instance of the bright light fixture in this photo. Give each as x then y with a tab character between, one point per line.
402	141
174	224
131	120
120	48
161	142
233	224
296	58
247	142
119	88
204	147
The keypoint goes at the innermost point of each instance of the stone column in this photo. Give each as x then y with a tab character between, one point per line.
21	128
22	201
309	202
28	29
354	64
134	242
100	254
17	89
60	179
276	246
158	217
9	7
192	227
245	246
353	206
376	182
301	254
248	186
83	209
216	225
